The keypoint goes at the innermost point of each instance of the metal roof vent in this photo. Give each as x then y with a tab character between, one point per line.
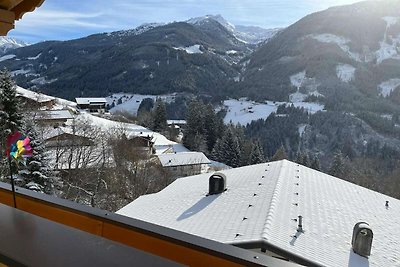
217	183
362	239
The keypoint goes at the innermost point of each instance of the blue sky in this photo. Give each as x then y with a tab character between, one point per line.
64	20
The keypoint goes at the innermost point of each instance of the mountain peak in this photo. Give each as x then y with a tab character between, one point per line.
218	18
9	43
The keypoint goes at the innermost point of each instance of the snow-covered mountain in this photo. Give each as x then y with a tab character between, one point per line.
8	43
247	34
138	30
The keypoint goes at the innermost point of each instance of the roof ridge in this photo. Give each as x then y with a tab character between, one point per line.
272	207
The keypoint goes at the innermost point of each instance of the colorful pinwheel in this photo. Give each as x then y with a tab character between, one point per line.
18	147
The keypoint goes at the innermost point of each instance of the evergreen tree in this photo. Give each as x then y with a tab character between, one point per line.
36	174
280	154
213	127
315	164
194	123
305	160
338	167
256	155
160	117
227	149
10	116
146	105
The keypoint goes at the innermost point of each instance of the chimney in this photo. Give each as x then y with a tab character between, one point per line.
217	184
362	239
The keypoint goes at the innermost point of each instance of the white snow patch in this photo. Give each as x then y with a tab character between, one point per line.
386	88
6	57
340	41
42	81
390	21
231	52
131	102
34	58
244	111
19	72
302	128
387	49
345	72
297	97
194	49
297	79
300	80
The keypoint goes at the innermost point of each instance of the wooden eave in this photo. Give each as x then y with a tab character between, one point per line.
12	10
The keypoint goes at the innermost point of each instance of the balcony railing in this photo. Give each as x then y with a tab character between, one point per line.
165	243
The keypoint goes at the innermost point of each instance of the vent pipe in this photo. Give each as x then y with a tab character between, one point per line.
300	226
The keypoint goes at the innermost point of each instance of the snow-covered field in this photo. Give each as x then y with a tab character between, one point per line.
194	49
244	111
161	143
387	49
297	79
131	102
387	87
345	72
339	40
6	57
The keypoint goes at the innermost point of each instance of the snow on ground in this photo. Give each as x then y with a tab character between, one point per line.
387	49
345	72
231	52
297	79
390	21
300	80
194	49
43	81
302	128
20	72
244	111
6	57
34	58
161	143
387	87
339	40
297	97
131	102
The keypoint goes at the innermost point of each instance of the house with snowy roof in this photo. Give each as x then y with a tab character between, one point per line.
54	117
35	100
92	104
66	137
282	209
183	164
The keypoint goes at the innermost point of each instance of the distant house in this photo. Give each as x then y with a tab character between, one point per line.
183	164
142	145
35	100
176	123
92	104
54	117
65	137
282	209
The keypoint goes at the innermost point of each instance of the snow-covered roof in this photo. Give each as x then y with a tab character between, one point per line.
182	159
261	203
40	98
55	115
87	101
